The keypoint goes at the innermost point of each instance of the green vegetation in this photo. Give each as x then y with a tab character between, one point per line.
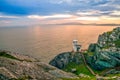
81	78
90	53
106	46
112	75
80	68
109	32
4	54
117	43
100	72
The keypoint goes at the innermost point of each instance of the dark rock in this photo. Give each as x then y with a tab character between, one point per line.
3	77
93	47
112	71
61	60
106	54
104	60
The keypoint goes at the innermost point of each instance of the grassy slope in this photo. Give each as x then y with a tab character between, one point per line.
4	54
80	68
81	78
117	43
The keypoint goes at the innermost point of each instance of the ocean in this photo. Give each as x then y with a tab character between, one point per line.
45	42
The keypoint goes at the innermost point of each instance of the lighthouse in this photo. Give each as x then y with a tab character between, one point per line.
76	46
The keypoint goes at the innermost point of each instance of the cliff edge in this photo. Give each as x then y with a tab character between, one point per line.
19	67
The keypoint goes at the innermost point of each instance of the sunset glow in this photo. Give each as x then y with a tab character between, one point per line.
42	12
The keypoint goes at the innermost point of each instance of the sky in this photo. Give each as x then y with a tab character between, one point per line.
59	12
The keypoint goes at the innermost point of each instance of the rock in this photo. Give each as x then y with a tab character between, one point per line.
113	71
61	60
105	54
83	75
103	60
7	73
13	68
73	70
93	47
106	51
4	77
62	74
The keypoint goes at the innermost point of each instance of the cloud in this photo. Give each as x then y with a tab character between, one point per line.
115	13
47	7
65	16
87	18
2	16
59	11
62	1
56	16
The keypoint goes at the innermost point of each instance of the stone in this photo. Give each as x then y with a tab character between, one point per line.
73	70
61	60
35	70
105	55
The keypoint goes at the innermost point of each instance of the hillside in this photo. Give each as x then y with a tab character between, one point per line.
19	67
103	58
105	54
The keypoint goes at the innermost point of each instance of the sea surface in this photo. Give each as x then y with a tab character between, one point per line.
45	42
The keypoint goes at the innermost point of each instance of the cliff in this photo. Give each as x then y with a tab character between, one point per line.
63	59
19	67
103	57
106	52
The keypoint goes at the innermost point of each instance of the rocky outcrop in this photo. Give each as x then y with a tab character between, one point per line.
112	71
104	59
103	56
109	39
106	52
29	69
61	60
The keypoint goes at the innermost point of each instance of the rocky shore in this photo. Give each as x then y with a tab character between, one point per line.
106	52
19	67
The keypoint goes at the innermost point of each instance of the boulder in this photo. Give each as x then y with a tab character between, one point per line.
61	60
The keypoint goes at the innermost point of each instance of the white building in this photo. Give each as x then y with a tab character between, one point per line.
76	46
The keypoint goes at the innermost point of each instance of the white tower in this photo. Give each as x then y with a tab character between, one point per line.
76	46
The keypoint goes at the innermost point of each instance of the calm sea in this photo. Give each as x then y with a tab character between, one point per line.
45	42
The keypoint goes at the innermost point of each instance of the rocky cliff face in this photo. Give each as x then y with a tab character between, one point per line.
13	66
63	59
72	62
106	52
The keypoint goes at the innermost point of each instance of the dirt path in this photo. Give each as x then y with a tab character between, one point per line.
87	65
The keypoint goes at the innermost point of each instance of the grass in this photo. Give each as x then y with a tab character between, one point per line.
80	68
109	32
106	46
100	72
117	43
4	54
112	75
81	78
90	53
